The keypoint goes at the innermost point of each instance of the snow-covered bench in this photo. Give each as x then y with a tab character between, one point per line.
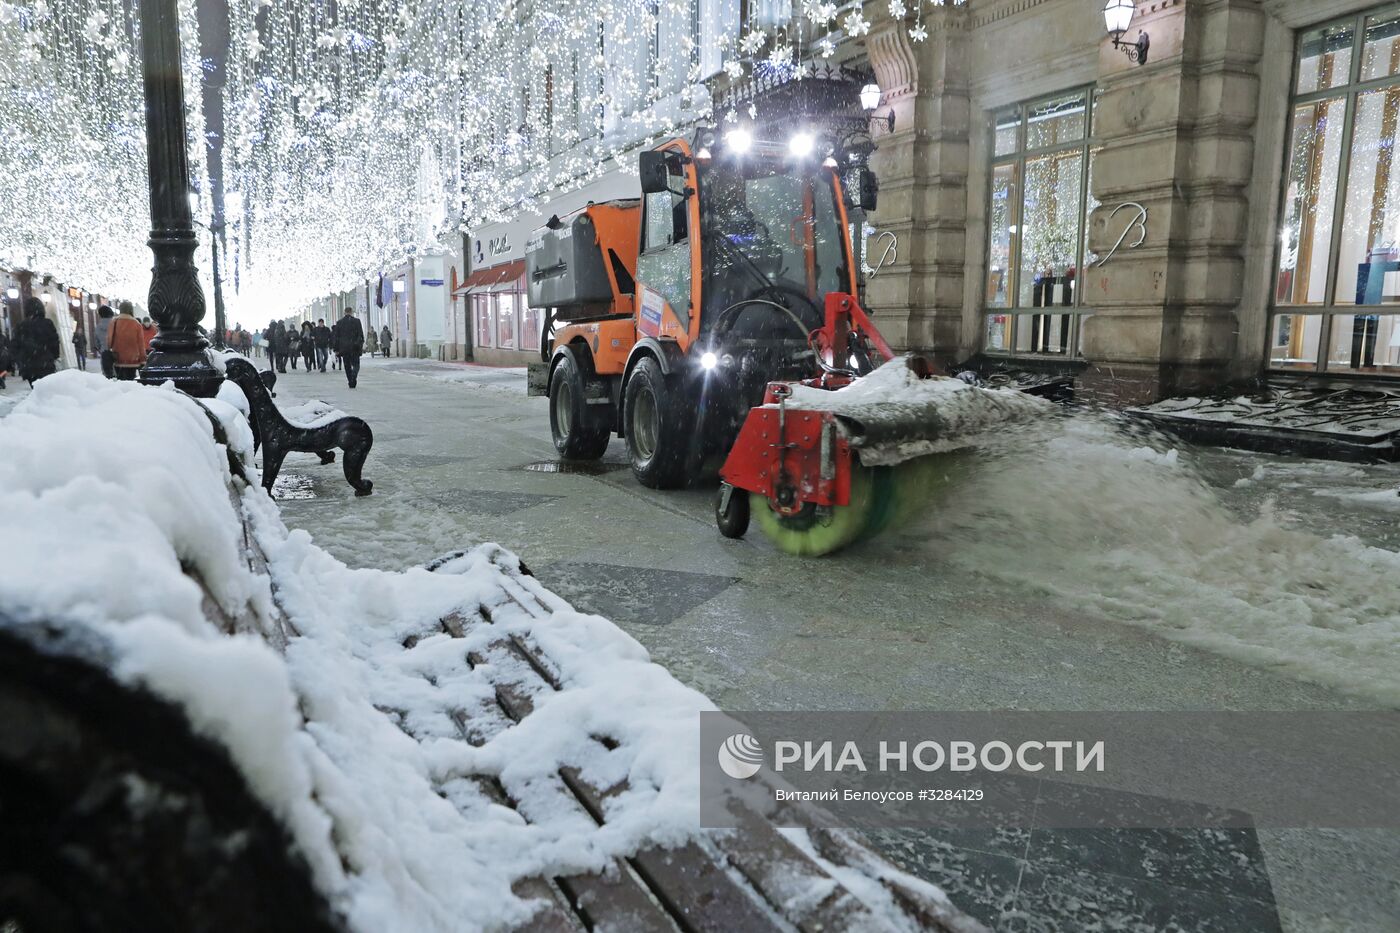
449	747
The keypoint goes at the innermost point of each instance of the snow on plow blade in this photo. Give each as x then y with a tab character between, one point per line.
826	466
894	414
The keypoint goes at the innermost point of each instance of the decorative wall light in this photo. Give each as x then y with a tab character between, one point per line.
869	100
1117	14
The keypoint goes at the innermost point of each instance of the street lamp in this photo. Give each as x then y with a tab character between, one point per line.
179	353
869	100
1117	14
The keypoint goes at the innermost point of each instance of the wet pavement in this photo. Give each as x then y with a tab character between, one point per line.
1033	584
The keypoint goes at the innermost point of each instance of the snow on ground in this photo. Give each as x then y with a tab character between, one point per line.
96	471
1115	521
509	380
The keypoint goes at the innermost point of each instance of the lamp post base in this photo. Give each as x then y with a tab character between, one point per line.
193	371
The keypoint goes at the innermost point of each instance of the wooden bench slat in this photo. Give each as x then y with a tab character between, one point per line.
616	901
612	901
696	889
554	916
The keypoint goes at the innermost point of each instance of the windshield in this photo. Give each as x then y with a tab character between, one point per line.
772	227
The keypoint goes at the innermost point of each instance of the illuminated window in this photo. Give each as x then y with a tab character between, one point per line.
1338	268
1042	152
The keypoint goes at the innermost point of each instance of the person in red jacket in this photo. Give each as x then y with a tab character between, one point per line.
149	328
127	338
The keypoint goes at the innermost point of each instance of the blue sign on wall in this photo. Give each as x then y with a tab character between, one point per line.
430	281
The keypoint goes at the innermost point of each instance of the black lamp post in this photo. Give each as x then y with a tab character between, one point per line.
180	352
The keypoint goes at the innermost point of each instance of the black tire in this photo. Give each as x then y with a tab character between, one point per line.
579	432
733	519
658	428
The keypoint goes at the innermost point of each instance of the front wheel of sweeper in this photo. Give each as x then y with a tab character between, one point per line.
732	511
658	427
809	535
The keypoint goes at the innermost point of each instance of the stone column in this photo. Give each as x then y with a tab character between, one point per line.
1176	138
922	169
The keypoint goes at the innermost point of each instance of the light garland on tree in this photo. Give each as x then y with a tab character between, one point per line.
74	201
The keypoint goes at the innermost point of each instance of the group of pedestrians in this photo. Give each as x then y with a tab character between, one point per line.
314	344
121	342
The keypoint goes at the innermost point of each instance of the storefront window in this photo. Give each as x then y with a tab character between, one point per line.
530	328
505	320
1339	234
1036	223
485	326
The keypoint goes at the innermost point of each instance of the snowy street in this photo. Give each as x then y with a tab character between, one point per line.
1071	568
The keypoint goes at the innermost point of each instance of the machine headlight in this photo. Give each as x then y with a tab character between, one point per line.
708	361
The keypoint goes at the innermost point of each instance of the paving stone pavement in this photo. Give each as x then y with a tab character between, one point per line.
884	627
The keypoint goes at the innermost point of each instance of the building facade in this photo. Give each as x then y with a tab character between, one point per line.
1223	210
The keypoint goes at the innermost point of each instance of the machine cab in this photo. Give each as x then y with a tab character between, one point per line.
740	244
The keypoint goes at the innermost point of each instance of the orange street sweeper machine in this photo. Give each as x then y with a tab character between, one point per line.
706	323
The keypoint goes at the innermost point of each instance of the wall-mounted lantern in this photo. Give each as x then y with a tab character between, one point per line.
1117	14
869	100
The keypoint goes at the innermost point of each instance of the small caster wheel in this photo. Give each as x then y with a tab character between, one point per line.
732	511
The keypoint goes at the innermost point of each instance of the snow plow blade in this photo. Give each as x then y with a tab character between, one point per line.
826	464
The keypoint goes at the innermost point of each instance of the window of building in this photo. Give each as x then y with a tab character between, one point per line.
505	321
1338	269
530	327
1042	151
485	324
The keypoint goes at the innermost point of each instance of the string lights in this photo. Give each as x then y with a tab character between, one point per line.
360	133
74	202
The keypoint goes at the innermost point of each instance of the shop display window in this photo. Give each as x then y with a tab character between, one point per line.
1039	203
506	324
485	323
1338	266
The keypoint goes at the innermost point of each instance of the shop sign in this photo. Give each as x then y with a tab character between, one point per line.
430	281
490	247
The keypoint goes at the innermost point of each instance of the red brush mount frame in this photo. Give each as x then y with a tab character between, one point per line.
797	457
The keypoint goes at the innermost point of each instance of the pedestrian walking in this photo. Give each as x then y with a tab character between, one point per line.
149	329
293	340
322	336
276	352
386	340
7	358
257	343
104	350
127	339
80	348
308	345
349	339
37	341
371	342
